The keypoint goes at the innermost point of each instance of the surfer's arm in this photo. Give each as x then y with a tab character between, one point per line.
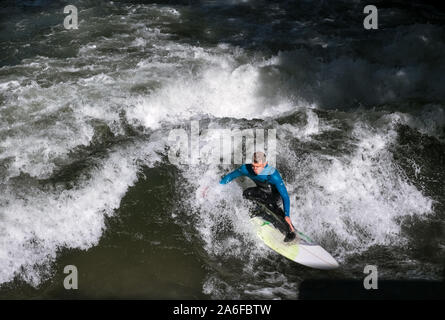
241	171
278	182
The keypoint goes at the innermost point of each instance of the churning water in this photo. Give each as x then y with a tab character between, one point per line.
85	115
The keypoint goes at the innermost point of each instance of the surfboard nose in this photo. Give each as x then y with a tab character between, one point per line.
330	265
329	262
315	256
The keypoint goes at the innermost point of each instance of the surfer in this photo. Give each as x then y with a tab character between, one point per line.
269	188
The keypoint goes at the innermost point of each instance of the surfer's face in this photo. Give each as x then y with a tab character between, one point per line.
258	167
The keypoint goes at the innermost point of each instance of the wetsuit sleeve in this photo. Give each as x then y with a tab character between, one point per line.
241	171
278	182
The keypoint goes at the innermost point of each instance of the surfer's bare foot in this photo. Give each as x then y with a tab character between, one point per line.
289	236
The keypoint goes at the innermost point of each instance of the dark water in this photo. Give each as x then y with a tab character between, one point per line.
85	116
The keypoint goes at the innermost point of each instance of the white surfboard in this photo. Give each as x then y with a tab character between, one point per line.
301	250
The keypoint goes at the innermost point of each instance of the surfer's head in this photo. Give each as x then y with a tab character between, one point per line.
259	162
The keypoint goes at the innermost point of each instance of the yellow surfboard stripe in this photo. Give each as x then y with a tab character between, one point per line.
274	239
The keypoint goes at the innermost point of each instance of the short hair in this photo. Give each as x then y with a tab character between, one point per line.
259	157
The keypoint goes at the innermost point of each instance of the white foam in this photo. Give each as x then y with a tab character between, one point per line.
222	89
9	85
312	127
428	119
35	223
357	199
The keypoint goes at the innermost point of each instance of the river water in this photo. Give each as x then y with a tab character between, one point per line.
85	116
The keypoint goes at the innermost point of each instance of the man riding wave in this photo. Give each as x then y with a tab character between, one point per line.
269	188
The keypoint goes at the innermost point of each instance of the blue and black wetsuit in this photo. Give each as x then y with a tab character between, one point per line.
270	187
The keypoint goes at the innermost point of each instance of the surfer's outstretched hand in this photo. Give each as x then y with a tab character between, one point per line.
204	191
